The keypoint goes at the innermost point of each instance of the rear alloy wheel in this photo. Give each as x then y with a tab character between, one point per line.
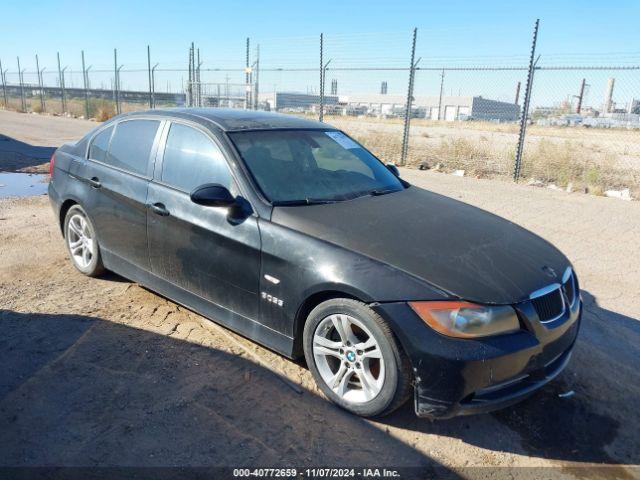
355	358
82	243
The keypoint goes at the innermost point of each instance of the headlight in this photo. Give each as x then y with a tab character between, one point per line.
467	320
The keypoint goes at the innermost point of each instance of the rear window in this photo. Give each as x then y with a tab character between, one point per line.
131	145
100	144
192	159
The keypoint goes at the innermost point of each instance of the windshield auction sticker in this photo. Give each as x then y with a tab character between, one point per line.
342	140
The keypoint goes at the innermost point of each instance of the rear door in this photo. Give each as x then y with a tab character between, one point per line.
118	169
198	248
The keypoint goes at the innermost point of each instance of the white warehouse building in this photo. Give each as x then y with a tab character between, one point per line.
451	108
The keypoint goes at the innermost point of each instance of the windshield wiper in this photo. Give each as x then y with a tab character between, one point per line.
306	201
376	192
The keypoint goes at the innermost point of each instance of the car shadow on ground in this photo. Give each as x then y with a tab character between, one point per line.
578	426
82	391
17	156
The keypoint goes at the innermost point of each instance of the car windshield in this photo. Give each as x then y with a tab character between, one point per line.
312	166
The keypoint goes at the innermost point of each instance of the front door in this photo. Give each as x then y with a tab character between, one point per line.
198	248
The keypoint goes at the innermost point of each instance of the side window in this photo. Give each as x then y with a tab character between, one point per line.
100	144
192	159
131	145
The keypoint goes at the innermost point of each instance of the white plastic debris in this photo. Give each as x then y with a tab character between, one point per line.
568	394
458	173
553	186
535	183
569	188
624	194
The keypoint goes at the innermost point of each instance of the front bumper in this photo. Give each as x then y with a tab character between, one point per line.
466	376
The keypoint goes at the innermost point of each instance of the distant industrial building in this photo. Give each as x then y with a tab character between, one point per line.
449	108
293	102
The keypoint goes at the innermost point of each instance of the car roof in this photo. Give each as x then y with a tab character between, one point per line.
230	119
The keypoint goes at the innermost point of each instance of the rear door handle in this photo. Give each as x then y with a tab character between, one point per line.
159	209
95	182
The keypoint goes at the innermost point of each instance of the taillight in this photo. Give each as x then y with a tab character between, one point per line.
52	164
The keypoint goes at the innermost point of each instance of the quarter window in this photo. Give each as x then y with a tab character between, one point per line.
192	159
100	145
131	145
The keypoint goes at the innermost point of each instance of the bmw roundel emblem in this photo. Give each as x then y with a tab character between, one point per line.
351	356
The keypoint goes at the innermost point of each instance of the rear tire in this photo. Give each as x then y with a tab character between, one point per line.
82	242
355	359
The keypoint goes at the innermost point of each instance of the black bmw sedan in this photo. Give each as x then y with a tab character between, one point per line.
291	233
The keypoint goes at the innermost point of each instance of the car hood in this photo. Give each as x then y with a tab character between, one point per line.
461	249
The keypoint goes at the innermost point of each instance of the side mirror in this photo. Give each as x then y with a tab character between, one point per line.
212	195
393	169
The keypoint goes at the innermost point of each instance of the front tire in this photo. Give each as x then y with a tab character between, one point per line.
82	242
355	358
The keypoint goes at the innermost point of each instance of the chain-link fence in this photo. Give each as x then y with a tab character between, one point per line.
572	121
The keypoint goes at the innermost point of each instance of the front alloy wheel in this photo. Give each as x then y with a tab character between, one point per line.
355	358
348	358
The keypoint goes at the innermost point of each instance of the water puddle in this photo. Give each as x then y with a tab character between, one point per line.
22	184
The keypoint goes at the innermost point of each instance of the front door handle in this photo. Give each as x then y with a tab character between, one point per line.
159	209
95	182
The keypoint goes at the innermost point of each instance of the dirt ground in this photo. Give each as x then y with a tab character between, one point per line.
101	372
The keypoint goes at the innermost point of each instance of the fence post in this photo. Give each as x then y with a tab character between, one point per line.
190	81
23	102
256	82
153	85
321	107
116	81
247	85
118	84
525	104
86	92
198	83
40	85
4	85
441	93
150	81
61	85
407	112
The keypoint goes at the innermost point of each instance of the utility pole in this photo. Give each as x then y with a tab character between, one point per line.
517	93
407	111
